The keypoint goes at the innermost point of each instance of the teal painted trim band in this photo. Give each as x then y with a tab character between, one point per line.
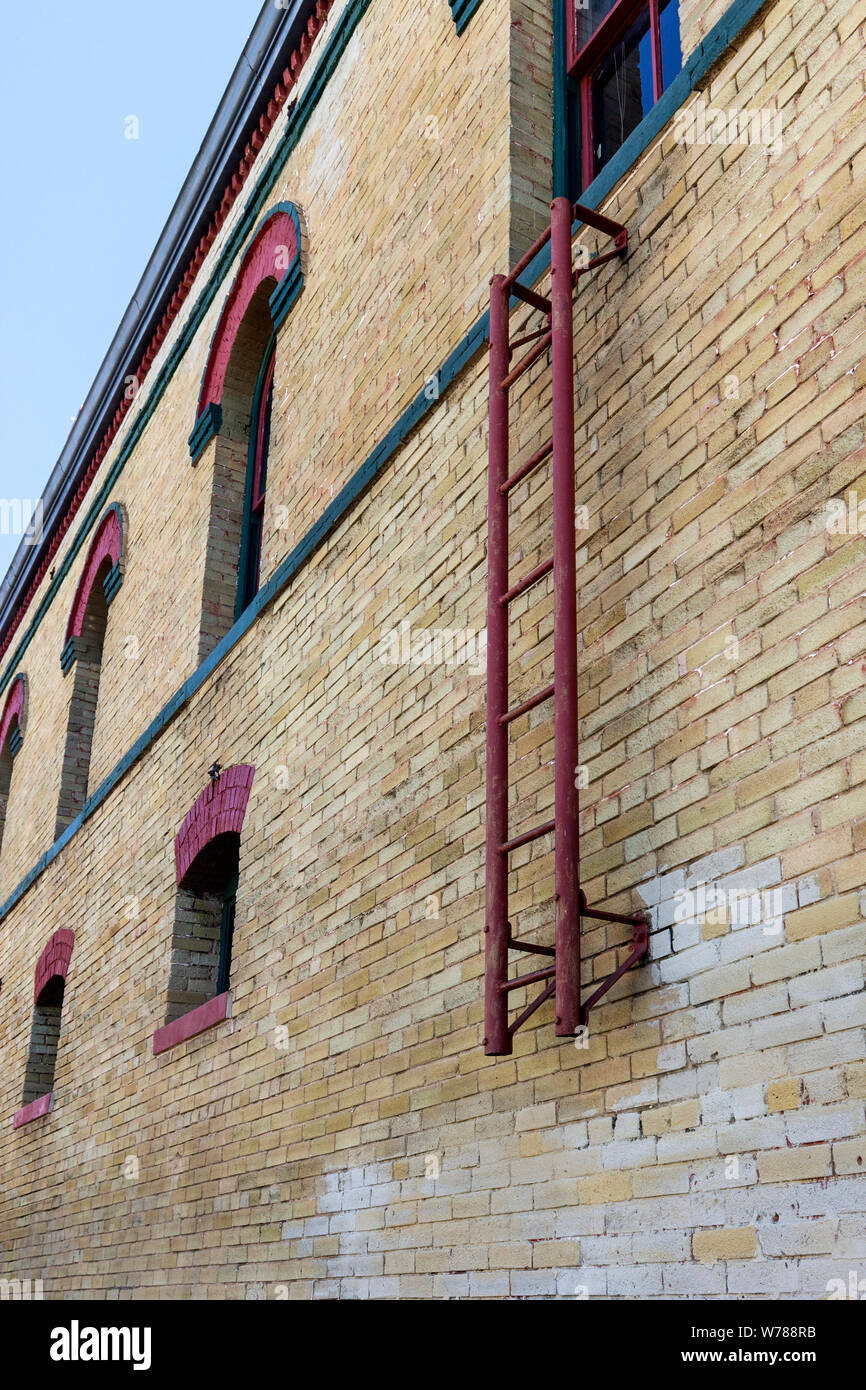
297	123
206	426
112	582
68	656
433	391
436	386
462	11
285	294
16	738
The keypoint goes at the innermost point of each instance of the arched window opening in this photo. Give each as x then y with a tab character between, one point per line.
11	738
48	992
204	926
82	655
235	418
207	851
82	706
44	1038
249	571
233	558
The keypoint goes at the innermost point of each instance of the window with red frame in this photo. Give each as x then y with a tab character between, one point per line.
622	54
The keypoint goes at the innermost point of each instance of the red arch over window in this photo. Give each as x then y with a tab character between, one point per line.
54	959
14	708
220	808
107	544
273	252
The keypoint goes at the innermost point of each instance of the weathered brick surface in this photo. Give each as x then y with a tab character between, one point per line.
342	1133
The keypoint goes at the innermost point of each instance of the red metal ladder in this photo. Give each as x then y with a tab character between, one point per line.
562	976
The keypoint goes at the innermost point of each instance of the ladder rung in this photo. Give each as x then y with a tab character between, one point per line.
526	362
515	945
538	457
527	581
530	297
527	338
636	920
537	699
612	917
579	213
527	836
596	261
529	979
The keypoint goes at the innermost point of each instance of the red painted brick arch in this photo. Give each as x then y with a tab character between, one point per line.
54	959
107	544
14	708
220	808
271	253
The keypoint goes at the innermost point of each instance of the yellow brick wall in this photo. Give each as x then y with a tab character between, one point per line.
402	186
343	1134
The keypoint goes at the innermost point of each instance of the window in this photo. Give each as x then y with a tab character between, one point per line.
234	419
257	477
11	738
204	928
207	850
622	55
82	655
49	989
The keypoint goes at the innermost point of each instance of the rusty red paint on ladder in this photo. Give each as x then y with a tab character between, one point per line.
561	979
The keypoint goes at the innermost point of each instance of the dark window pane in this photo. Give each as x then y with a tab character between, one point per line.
227	931
672	54
589	15
261	481
622	90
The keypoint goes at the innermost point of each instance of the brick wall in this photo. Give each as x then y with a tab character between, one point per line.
342	1133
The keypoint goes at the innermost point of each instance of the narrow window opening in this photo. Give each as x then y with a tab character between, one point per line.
75	772
257	474
6	757
204	927
233	559
44	1039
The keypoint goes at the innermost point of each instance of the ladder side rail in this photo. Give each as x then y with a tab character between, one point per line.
566	809
497	1038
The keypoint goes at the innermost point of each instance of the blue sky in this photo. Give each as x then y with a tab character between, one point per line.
83	205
